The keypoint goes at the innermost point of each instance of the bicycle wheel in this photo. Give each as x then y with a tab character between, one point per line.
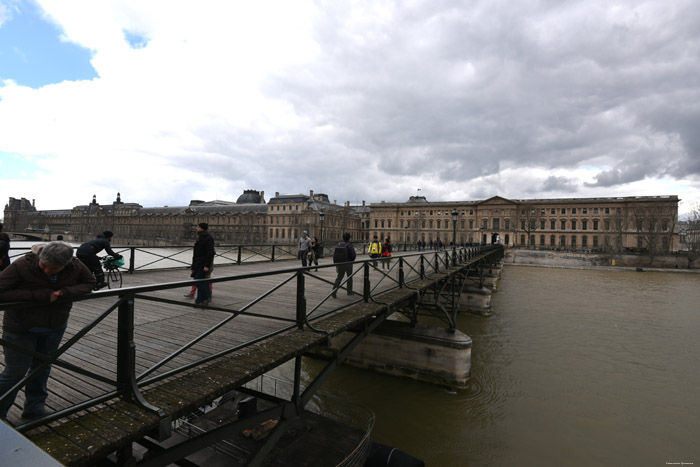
114	278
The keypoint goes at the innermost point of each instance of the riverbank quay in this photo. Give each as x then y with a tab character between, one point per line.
580	260
175	343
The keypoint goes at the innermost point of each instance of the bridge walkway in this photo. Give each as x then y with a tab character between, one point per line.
264	334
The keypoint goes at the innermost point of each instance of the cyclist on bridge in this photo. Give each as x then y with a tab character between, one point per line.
87	253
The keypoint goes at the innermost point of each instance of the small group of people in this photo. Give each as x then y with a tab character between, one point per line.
309	250
378	250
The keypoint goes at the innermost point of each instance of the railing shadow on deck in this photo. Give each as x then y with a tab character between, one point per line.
117	355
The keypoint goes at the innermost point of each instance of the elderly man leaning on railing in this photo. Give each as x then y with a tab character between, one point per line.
47	281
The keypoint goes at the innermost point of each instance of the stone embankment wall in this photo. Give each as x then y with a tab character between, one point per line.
564	259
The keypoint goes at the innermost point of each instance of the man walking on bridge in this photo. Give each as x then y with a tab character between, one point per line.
47	281
304	245
344	253
203	262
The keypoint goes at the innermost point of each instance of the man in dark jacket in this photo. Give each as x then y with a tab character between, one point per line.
344	253
87	253
203	261
47	282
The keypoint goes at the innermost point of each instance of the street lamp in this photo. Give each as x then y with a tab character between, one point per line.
405	239
321	216
454	236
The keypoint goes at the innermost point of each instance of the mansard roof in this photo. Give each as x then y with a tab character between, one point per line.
221	209
294	198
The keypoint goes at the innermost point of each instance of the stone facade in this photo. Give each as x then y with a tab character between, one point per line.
249	220
635	223
639	223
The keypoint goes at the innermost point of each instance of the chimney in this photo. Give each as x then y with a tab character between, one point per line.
277	194
335	201
262	197
311	194
33	202
363	202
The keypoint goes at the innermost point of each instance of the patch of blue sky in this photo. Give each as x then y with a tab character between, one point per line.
135	41
13	166
32	53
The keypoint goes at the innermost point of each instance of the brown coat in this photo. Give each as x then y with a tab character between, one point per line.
23	281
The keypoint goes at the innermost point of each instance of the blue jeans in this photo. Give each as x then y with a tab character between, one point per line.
203	290
18	364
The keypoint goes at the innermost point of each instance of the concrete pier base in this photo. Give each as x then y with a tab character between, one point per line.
423	353
475	300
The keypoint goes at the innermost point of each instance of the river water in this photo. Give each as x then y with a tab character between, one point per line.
574	367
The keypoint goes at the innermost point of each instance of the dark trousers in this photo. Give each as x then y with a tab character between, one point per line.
345	270
203	290
93	264
18	364
303	255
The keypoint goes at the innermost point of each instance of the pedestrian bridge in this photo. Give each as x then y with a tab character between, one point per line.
136	359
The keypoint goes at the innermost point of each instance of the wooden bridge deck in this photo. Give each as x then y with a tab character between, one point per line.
162	328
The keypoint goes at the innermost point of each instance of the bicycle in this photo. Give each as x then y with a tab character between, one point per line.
113	276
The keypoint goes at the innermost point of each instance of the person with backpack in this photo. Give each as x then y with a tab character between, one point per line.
87	253
375	250
344	253
386	254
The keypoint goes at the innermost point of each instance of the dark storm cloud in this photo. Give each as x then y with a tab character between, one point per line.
457	91
553	183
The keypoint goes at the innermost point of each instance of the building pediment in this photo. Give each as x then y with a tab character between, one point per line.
496	201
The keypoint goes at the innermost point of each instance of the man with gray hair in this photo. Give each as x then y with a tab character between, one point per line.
46	281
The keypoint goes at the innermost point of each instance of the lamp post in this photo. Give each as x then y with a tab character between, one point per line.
321	217
454	236
405	239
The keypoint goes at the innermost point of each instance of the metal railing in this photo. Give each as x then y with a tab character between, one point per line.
132	373
147	258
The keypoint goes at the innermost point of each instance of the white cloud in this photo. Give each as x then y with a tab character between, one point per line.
368	100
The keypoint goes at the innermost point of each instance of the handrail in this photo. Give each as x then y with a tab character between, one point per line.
129	382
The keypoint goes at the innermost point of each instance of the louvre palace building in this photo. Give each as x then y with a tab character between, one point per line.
585	224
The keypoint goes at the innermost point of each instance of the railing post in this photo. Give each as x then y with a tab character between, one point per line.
401	274
132	260
366	285
126	349
238	261
273	253
126	357
422	266
301	301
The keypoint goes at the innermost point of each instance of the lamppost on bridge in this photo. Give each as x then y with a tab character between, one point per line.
405	239
321	217
454	236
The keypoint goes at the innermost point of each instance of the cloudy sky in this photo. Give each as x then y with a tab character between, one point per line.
168	101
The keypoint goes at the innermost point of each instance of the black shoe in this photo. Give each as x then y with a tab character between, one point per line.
100	285
34	415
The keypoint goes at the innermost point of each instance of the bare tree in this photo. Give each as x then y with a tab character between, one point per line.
616	226
691	240
655	227
529	220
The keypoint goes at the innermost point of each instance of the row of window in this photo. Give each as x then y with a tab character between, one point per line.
543	211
